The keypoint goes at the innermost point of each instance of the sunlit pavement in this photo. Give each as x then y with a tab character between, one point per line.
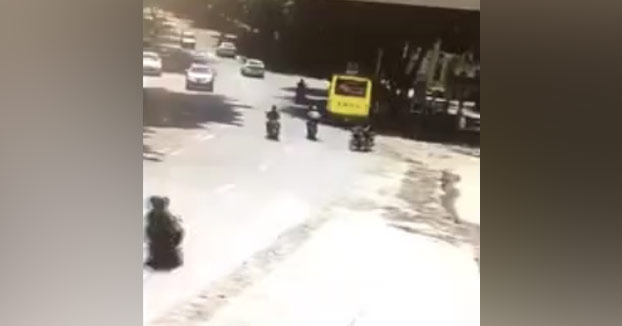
237	191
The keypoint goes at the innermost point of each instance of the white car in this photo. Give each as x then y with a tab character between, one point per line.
152	63
226	49
188	40
254	68
200	76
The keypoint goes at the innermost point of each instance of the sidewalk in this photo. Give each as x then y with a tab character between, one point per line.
389	254
359	269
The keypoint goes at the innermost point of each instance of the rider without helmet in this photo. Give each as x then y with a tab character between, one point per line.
273	114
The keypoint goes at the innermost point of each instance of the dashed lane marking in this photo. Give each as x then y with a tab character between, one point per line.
225	188
175	152
204	137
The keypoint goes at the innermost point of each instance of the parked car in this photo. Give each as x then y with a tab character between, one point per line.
226	49
188	40
469	118
231	38
152	63
253	68
200	76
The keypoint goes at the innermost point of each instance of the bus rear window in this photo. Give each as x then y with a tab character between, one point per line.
347	87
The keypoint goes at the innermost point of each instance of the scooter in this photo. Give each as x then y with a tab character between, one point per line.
312	129
273	128
361	142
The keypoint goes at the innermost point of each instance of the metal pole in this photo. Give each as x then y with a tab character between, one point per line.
379	61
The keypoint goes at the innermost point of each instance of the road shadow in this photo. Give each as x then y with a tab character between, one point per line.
165	109
300	111
148	153
440	129
175	60
151	155
310	91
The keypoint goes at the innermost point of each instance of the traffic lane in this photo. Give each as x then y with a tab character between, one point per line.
228	219
167	109
237	193
249	92
231	219
261	93
206	39
173	116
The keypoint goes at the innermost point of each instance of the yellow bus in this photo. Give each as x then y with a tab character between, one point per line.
349	96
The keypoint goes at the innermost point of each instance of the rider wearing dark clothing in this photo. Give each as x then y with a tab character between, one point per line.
165	234
300	90
301	84
273	114
364	132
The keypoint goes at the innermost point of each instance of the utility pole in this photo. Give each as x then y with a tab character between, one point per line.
379	61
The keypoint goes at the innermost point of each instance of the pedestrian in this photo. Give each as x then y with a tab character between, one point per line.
164	234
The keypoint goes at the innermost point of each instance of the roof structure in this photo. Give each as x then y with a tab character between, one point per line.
471	5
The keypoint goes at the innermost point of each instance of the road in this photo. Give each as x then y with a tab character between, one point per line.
235	190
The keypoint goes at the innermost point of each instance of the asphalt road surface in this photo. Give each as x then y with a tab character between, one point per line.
235	190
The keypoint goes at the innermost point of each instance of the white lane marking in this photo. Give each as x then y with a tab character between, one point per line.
176	152
225	188
205	137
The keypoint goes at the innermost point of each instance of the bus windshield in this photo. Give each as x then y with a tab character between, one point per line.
348	87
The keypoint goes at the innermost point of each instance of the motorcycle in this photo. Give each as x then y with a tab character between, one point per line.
164	234
273	128
312	129
361	141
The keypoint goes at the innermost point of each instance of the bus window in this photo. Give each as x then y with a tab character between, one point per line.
348	87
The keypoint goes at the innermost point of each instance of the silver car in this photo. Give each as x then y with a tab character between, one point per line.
226	49
253	68
188	40
152	63
200	76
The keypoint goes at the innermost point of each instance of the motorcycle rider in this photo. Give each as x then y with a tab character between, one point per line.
273	114
301	84
363	133
301	88
164	233
313	116
273	117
